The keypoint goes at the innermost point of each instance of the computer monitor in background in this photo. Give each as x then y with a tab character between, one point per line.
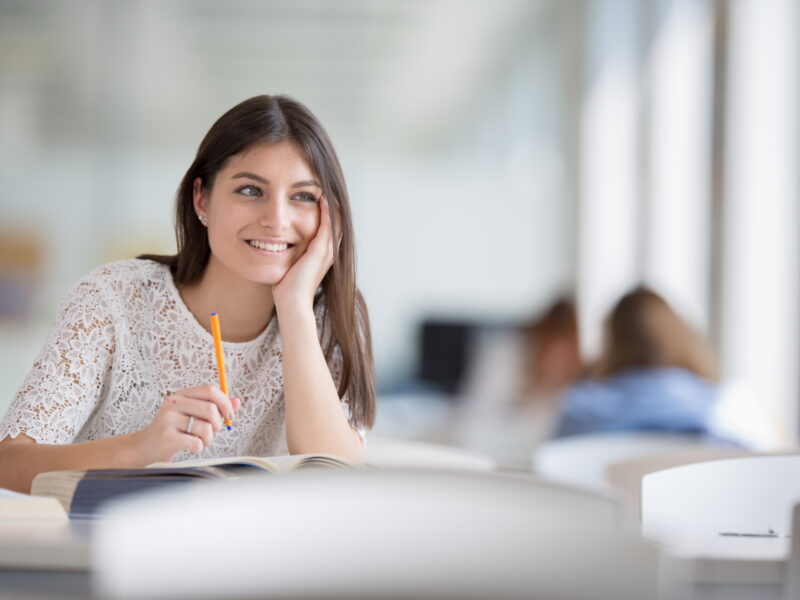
444	352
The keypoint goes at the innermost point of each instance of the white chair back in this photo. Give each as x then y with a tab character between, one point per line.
752	495
626	476
392	452
583	459
368	534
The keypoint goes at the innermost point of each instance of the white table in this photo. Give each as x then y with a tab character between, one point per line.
715	566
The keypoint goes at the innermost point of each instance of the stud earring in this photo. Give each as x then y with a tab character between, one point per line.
203	220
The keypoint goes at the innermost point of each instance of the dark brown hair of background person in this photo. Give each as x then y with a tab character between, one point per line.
274	119
644	331
552	346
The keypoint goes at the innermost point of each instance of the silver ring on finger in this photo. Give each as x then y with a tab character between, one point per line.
189	425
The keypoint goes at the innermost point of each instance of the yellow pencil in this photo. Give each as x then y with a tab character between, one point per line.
223	380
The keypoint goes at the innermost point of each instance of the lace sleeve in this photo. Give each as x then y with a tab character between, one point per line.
65	383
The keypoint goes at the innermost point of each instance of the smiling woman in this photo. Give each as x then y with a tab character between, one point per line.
265	239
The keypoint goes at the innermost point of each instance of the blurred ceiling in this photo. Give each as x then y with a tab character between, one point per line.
127	71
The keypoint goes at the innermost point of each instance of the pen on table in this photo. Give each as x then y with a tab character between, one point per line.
223	380
768	534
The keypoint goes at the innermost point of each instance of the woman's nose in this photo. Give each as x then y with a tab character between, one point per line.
275	215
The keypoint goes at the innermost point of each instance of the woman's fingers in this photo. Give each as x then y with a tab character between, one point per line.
336	219
212	394
196	415
188	421
321	243
204	431
190	443
203	411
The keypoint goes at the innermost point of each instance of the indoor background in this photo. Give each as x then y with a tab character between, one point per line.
498	153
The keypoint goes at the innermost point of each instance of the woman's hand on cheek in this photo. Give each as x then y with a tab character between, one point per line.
300	283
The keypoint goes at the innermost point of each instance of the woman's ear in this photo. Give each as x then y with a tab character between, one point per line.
199	199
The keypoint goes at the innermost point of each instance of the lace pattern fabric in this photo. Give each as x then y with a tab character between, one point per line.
122	342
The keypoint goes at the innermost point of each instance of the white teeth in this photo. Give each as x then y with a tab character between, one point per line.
269	247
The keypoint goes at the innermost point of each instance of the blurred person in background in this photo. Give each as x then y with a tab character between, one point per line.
656	374
265	238
551	350
510	397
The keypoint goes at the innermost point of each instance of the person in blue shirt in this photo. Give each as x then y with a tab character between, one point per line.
655	374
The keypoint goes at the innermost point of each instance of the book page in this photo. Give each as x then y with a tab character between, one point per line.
297	462
17	506
273	464
58	484
259	462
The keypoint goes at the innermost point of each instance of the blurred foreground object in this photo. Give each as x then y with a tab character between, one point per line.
366	534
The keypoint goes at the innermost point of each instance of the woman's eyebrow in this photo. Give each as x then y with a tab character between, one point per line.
308	182
247	175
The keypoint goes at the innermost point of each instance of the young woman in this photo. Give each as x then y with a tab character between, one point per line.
265	239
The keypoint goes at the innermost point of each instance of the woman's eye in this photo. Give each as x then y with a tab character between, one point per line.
249	190
305	197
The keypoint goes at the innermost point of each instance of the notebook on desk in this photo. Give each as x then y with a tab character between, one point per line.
81	492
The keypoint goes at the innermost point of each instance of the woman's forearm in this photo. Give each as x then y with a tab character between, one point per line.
315	420
21	459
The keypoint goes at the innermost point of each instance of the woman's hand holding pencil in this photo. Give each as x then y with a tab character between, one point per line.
186	421
189	418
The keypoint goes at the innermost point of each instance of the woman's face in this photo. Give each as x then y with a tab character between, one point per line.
262	211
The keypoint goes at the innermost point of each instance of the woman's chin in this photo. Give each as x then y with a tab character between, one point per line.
265	276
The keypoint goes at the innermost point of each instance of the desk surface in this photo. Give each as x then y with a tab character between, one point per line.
722	559
44	544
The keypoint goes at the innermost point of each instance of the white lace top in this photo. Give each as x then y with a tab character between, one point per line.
122	342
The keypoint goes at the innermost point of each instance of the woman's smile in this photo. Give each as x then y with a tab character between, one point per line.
270	248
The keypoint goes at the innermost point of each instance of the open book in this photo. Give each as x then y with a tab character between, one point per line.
16	506
82	492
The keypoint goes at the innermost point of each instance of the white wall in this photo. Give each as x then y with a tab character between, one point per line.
678	227
761	268
609	208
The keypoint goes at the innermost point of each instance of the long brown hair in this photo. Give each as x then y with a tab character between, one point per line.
644	331
273	119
